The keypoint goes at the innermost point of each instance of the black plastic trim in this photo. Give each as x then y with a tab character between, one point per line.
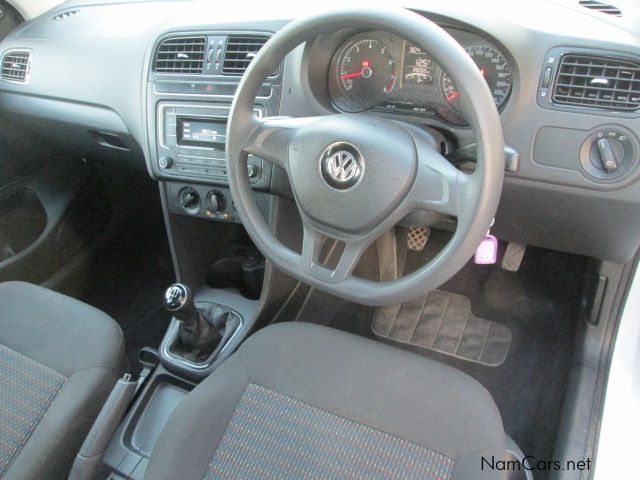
552	59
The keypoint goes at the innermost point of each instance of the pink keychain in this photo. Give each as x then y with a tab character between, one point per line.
487	251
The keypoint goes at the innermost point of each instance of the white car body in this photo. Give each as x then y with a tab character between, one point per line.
617	449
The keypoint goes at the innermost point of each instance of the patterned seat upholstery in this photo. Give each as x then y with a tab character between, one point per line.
59	359
28	388
303	402
307	443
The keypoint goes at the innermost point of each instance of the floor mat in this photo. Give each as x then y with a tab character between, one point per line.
443	322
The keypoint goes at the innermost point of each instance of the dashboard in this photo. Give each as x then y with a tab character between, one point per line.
149	84
380	71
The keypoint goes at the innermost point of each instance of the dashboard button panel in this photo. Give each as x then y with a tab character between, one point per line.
205	88
577	150
201	201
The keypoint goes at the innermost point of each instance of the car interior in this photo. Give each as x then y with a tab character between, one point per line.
388	240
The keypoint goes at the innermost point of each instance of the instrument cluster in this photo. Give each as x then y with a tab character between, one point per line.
380	71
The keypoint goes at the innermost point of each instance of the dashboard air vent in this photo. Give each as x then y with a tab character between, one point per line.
66	14
239	53
597	82
16	65
181	55
601	7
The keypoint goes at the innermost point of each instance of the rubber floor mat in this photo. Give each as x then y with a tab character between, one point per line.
443	322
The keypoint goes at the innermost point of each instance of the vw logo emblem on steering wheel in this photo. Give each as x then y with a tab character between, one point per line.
341	166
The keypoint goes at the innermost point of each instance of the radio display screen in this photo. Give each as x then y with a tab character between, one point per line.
199	132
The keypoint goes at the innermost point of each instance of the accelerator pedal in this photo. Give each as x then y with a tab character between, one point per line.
513	256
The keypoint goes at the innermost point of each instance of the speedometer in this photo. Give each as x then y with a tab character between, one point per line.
366	74
495	69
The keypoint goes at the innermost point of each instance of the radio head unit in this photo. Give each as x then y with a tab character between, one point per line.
191	144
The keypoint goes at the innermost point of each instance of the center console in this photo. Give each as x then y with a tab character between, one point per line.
226	288
192	80
191	148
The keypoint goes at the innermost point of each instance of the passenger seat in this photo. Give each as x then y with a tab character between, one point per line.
59	360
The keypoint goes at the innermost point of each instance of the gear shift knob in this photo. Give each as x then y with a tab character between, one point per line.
198	336
178	300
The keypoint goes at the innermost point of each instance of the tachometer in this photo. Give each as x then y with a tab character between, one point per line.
495	69
366	73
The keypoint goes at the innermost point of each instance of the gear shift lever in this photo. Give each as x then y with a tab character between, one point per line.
179	301
199	337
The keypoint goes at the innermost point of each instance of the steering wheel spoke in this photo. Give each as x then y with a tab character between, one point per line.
440	187
312	244
271	137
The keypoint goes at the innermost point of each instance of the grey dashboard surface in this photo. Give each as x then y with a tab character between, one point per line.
90	72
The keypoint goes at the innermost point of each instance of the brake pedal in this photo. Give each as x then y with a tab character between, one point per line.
417	238
513	256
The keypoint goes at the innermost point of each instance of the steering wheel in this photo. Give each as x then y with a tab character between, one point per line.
355	176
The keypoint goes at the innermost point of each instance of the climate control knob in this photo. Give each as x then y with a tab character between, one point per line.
215	200
189	200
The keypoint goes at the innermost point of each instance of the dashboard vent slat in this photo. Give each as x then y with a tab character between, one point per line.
601	7
181	55
239	52
597	82
16	65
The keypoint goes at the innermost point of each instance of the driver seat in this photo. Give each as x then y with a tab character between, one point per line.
300	401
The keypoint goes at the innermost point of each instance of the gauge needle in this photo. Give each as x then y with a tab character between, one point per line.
351	75
453	96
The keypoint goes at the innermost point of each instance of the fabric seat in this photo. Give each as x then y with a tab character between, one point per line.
299	401
59	359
